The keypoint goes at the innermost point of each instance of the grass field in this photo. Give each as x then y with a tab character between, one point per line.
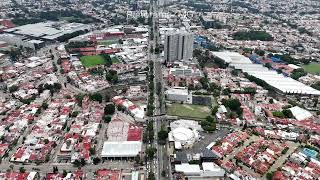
90	61
188	110
313	68
107	42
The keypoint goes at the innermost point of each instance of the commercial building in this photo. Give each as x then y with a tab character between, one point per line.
122	149
48	31
209	170
178	46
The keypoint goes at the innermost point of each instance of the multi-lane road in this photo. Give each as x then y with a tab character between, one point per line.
161	162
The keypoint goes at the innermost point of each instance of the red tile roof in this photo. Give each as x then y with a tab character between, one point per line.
108	174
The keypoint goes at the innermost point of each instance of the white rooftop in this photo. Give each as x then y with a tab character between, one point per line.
188	169
177	90
121	149
232	57
279	81
299	113
47	30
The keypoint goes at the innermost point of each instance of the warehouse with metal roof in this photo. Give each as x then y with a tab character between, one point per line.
284	84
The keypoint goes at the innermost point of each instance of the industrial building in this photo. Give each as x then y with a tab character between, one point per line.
178	46
283	84
18	40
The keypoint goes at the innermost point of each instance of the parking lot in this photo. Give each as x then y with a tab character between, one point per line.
208	138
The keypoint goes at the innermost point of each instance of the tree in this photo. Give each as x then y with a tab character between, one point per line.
13	88
74	114
233	104
209	119
137	159
252	35
214	110
297	73
79	98
162	135
112	76
260	52
151	151
107	119
287	113
15	54
65	173
44	105
109	109
47	158
226	91
96	160
235	72
269	175
163	173
151	176
79	163
271	101
96	97
107	59
22	170
54	66
92	150
268	65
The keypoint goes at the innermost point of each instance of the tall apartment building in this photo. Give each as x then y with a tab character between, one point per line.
178	46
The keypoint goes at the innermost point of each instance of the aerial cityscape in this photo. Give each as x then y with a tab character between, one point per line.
159	90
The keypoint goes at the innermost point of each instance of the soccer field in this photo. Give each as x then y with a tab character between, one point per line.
90	61
188	111
313	68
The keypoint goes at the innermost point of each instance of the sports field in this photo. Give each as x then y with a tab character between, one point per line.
90	61
188	110
313	68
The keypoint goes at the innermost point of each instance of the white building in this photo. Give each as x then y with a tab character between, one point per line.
178	46
23	41
180	94
183	137
123	149
193	171
283	84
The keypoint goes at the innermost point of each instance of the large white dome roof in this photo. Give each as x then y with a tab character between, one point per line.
183	134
